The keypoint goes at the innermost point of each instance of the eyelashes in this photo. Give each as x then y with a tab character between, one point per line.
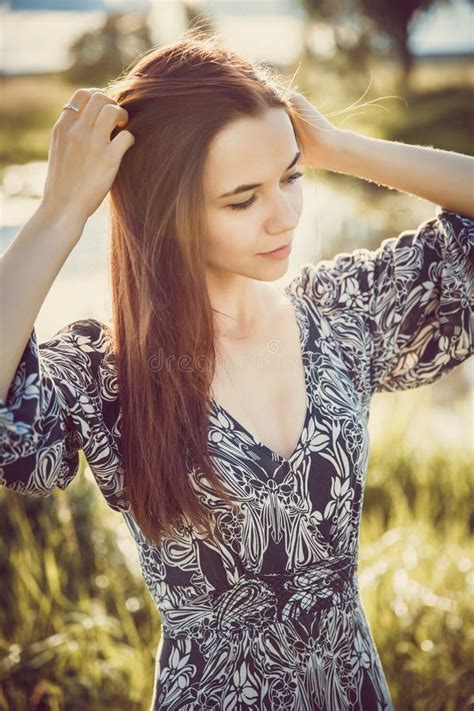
244	205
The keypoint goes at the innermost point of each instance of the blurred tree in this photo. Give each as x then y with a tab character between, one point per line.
393	19
101	54
364	26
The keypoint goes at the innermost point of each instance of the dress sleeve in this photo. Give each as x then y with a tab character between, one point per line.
49	408
402	313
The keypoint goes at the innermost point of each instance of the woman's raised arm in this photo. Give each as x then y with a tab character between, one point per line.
82	166
28	269
444	178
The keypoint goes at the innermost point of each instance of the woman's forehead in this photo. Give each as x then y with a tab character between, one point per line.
247	148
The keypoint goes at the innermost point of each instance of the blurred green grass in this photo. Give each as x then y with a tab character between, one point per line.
79	629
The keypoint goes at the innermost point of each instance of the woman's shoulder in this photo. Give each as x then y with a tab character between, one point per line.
84	346
85	334
91	328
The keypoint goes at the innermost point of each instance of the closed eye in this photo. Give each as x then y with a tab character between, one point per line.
244	205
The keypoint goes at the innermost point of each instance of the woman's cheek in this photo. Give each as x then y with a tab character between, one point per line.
246	233
235	234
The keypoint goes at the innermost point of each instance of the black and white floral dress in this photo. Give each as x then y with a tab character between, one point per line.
270	618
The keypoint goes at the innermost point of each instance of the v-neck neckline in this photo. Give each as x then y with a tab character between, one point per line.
301	317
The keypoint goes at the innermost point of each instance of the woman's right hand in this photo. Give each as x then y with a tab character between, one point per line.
82	160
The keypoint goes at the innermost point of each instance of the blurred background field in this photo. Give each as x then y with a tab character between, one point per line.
78	628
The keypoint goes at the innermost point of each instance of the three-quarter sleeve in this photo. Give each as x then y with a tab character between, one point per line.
50	409
402	313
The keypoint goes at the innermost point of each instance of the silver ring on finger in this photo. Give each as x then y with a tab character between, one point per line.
72	107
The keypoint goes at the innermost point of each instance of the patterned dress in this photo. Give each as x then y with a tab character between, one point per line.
270	616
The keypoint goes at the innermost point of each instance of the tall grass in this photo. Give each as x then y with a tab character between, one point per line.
78	627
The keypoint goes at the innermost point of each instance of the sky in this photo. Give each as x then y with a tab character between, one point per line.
261	29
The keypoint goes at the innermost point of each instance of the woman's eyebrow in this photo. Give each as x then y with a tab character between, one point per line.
251	186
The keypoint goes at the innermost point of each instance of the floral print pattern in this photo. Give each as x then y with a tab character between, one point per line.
268	615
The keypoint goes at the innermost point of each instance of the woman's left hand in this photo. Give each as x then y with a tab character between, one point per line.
318	134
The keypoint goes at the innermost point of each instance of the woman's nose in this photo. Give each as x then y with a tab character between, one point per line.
284	214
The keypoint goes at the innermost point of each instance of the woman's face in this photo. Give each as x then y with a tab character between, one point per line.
255	159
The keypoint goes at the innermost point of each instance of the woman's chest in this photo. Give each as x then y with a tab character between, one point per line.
262	385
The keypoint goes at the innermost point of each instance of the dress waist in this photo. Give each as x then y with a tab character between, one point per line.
261	599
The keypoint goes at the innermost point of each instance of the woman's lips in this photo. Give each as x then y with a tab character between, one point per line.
278	253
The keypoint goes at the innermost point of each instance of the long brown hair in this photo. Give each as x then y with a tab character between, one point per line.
178	97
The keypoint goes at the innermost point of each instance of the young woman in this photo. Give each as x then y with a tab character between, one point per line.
224	417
